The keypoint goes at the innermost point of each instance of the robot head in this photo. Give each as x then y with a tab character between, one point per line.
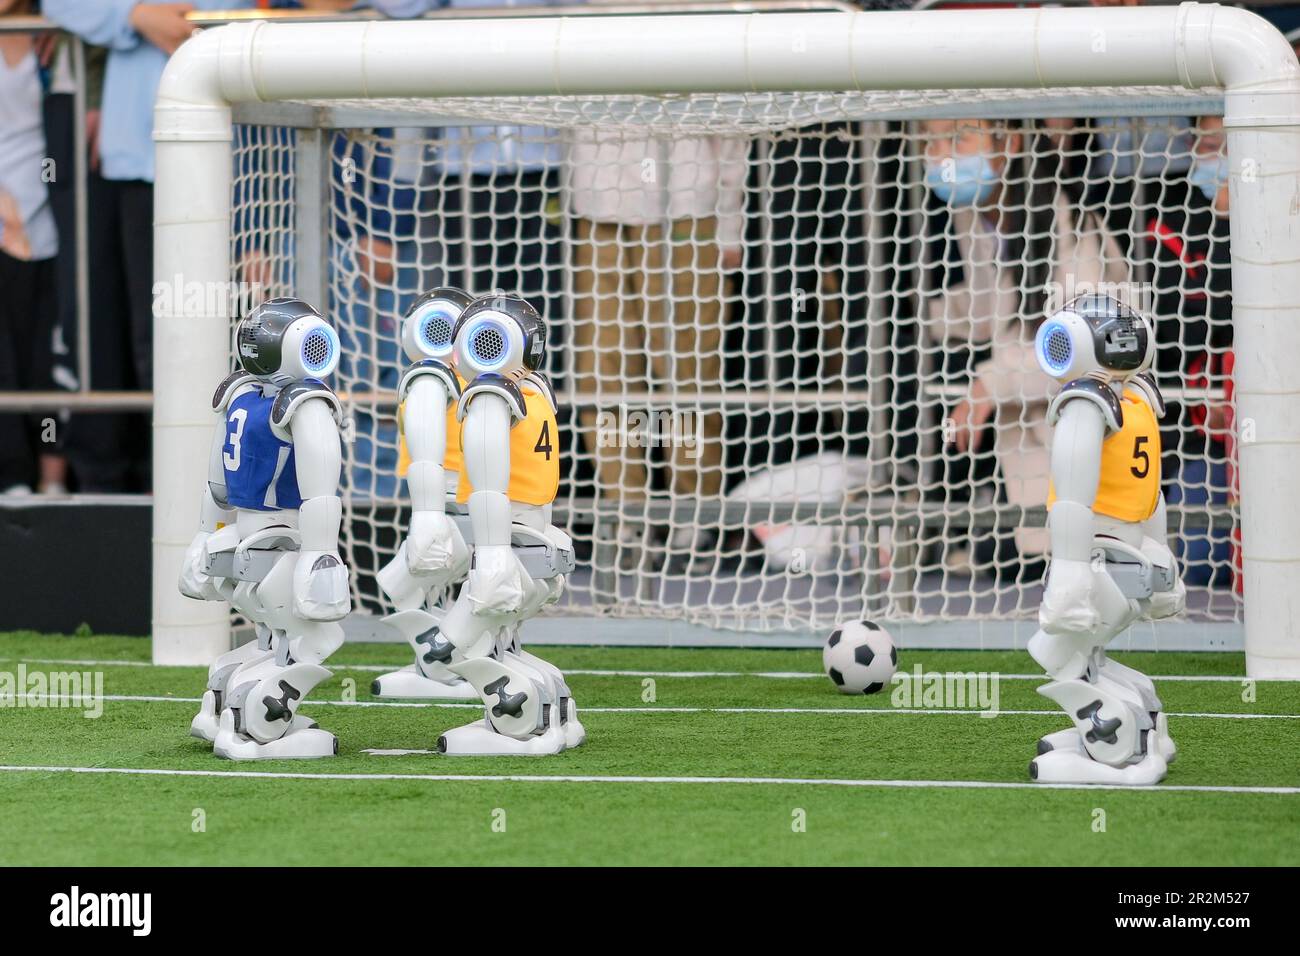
502	334
283	340
430	321
1095	336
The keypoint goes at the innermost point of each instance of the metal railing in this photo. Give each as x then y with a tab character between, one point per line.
84	398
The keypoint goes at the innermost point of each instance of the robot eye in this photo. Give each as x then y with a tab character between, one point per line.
317	351
1056	349
436	331
487	346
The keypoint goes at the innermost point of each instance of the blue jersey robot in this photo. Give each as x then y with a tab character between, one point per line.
268	539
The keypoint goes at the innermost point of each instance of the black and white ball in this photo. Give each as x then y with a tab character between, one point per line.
859	657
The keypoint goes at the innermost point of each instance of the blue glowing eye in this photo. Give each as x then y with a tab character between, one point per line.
318	350
487	345
435	330
1055	348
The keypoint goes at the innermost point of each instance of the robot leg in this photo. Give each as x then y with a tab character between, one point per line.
1115	738
520	705
1141	685
260	718
204	725
575	735
428	678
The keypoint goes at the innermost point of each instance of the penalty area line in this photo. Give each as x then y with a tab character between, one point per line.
37	701
647	780
766	675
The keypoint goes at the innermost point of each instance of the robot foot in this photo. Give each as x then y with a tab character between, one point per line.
575	735
480	740
1075	766
304	740
409	683
1068	740
1071	740
247	659
207	722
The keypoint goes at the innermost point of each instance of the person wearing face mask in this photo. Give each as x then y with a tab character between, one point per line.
1193	310
1006	226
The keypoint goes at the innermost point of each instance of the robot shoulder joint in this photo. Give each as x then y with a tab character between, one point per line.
1090	390
1145	382
293	395
542	385
493	383
229	387
440	370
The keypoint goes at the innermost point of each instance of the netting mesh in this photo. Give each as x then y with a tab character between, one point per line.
791	335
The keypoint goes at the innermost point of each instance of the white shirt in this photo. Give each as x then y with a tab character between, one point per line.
23	160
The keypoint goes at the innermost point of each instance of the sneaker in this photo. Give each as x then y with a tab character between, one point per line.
17	491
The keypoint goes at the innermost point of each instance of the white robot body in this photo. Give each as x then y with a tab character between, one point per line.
1106	572
433	557
274	560
519	559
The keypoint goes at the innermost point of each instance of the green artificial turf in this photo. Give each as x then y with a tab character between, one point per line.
641	723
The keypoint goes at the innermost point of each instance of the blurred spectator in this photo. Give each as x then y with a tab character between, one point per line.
1193	308
28	246
1019	240
500	203
477	210
656	222
109	452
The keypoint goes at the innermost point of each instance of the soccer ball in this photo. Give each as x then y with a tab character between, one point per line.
859	657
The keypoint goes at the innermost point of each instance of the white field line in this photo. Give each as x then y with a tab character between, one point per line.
576	778
587	672
42	699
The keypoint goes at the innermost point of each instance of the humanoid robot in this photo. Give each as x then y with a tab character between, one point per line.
1110	564
434	557
269	531
518	563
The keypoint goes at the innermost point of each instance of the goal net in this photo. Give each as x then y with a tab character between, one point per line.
790	333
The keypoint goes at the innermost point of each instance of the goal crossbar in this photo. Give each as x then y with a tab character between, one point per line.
1202	49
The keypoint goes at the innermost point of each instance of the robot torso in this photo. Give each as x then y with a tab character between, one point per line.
534	454
260	470
1129	486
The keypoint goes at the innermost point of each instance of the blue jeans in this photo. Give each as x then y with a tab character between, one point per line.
1204	553
369	319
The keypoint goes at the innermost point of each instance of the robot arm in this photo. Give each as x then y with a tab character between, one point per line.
433	543
1155	534
320	579
214	513
1076	470
496	579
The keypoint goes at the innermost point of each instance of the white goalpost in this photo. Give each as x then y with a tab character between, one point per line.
790	336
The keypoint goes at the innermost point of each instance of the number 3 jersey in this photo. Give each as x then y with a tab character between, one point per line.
261	474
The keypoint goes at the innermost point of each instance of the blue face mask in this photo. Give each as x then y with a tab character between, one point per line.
1208	174
963	180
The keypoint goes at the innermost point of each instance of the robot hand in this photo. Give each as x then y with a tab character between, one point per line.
195	582
496	582
1067	607
320	587
434	543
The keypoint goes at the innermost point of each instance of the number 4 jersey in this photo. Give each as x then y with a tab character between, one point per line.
534	452
261	474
